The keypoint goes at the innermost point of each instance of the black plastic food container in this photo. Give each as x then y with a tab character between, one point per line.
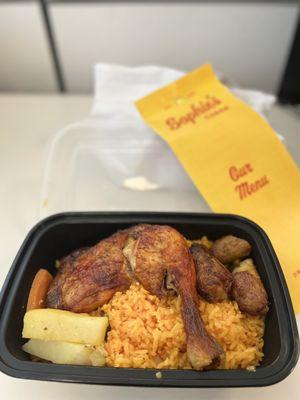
58	235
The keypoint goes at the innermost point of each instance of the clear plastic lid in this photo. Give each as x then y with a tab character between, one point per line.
112	161
90	168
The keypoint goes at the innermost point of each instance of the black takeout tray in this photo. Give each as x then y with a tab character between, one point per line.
58	235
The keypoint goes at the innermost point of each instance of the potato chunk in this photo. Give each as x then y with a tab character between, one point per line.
59	352
64	326
64	352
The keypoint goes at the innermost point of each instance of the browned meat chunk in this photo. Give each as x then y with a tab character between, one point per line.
248	290
213	279
230	248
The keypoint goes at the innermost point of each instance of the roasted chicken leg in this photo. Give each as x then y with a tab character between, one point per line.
147	253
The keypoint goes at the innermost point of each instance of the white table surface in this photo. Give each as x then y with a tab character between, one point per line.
27	125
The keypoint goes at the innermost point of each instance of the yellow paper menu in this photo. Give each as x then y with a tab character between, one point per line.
234	158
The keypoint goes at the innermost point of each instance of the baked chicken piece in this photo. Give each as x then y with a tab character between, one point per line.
230	248
214	280
148	254
156	252
248	289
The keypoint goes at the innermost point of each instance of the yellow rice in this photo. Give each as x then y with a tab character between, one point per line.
148	333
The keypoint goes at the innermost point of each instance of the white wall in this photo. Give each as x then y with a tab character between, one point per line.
248	43
25	62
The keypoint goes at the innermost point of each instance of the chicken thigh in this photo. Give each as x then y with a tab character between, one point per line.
88	278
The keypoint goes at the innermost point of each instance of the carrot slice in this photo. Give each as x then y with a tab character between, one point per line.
39	289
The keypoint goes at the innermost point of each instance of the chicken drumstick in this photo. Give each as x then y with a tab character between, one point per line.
158	251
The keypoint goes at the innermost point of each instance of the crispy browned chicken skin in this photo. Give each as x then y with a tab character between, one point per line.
230	248
88	278
147	253
213	278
